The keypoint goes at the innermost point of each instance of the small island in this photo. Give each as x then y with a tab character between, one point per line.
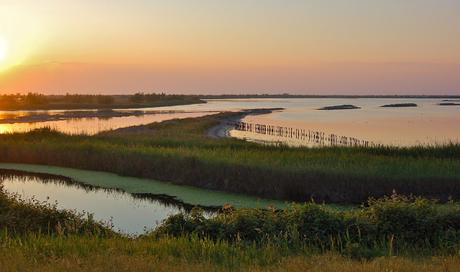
449	104
340	107
400	105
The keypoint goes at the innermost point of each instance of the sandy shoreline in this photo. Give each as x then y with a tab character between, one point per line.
227	124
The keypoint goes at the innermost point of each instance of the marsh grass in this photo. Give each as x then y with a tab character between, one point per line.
389	234
298	239
178	151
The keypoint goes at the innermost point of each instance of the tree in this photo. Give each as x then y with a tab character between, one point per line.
105	99
137	98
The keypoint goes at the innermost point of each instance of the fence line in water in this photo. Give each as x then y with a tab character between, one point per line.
309	136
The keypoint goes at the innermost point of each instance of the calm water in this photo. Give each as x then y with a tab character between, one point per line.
426	124
127	213
95	125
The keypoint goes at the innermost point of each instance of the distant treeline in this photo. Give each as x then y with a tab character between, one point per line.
32	101
37	101
287	95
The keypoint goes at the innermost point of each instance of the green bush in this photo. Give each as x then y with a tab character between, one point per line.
385	225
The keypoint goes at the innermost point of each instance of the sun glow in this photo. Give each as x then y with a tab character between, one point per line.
3	49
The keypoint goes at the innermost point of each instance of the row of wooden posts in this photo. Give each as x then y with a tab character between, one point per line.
309	136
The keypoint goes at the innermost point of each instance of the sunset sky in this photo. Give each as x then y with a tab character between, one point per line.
234	46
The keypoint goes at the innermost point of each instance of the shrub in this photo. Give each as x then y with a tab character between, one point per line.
386	225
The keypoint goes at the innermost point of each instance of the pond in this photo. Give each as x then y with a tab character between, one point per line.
131	205
127	213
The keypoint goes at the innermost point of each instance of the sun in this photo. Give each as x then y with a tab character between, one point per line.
3	49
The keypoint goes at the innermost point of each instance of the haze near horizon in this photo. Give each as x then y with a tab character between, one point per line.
213	47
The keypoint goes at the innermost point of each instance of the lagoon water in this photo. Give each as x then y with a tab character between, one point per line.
428	123
137	204
126	213
93	125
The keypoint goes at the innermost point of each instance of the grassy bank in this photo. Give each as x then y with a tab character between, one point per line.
119	254
393	234
180	152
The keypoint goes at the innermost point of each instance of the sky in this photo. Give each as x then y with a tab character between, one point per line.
235	46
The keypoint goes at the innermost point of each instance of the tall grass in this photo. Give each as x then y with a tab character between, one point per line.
178	151
304	238
43	253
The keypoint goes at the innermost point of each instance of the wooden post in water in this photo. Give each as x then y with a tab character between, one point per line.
318	137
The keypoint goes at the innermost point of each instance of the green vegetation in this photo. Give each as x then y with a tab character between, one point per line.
394	233
187	195
303	237
45	253
33	101
20	217
391	225
179	151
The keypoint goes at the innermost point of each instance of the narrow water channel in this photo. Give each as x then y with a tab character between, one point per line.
133	206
